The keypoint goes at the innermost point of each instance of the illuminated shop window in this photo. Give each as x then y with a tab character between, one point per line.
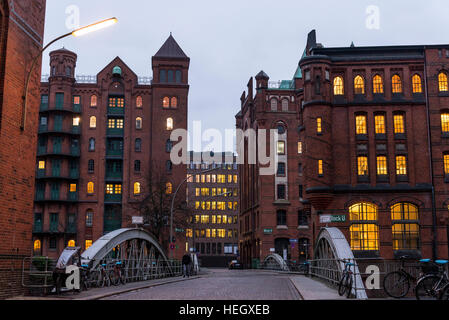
405	227
364	232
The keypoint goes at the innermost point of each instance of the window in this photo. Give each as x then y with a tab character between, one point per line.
396	84
91	166
405	226
281	169
399	124
281	147
88	244
68	71
170	76
319	125
359	85
274	105
302	218
178	76
76	100
91	144
300	148
169	166
281	128
71	243
281	192
37	245
93	101
139	102
168	145
138	123
445	122
446	164
174	102
170	124
364	230
281	217
442	82
417	84
320	168
166	102
362	164
380	124
338	86
361	127
89	218
93	122
76	121
401	165
41	165
137	166
284	105
382	167
90	188
137	188
162	76
378	85
168	188
72	187
138	145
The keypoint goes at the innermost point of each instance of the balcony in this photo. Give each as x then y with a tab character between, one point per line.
113	198
116	176
116	111
37	227
54	227
115	132
72	196
76	108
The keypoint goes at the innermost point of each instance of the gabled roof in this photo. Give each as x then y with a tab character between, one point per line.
262	75
170	49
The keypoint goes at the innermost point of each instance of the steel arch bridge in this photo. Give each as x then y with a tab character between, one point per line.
141	255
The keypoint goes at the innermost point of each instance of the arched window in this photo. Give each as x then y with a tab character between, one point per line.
89	218
139	102
90	188
284	105
405	220
139	123
168	166
174	102
138	145
442	82
168	188
37	245
364	230
378	84
71	243
281	217
137	188
170	124
445	122
396	84
92	144
338	86
93	101
162	76
417	84
93	122
274	105
68	71
166	102
178	76
168	145
359	85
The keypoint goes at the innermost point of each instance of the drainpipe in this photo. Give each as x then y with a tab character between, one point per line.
429	137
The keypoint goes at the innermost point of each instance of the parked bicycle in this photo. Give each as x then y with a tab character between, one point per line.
103	276
430	287
345	285
118	274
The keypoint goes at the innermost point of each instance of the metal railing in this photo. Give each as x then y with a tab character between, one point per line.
92	79
37	272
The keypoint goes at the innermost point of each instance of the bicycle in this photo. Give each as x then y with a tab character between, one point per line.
397	283
103	277
85	277
431	286
345	285
118	274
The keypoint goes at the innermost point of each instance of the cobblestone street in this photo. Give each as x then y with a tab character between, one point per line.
221	285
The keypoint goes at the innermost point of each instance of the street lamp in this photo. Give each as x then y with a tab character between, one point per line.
76	33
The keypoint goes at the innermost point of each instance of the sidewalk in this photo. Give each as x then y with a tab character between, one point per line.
314	290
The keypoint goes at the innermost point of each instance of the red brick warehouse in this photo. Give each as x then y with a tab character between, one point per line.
363	138
21	38
99	139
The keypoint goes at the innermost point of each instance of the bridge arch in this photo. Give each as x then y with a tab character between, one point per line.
275	261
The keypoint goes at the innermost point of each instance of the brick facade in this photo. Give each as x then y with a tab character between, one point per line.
21	38
340	153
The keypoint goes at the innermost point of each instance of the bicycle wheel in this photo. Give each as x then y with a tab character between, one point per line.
342	285
349	285
445	293
426	288
396	284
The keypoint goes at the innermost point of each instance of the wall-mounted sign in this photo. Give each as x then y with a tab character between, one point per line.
137	220
268	231
272	250
332	219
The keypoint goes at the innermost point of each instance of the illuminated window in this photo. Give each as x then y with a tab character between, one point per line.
88	244
320	168
174	102
417	84
380	124
362	163
169	124
364	232
72	187
359	85
299	147
361	125
37	245
274	105
399	124
139	102
76	121
76	100
236	178
166	102
119	123
118	189
90	188
168	188
446	164
401	165
382	167
189	233
319	125
138	123
338	86
137	188
93	101
396	84
109	189
442	82
41	165
281	147
378	85
93	122
405	226
71	243
445	122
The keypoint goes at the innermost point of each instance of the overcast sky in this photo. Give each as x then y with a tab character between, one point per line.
230	41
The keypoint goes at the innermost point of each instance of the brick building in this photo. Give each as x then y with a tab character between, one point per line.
213	197
21	38
363	146
99	139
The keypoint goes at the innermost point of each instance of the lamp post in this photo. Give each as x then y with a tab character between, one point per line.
173	204
76	33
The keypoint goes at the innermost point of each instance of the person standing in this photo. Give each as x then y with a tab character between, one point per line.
186	260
